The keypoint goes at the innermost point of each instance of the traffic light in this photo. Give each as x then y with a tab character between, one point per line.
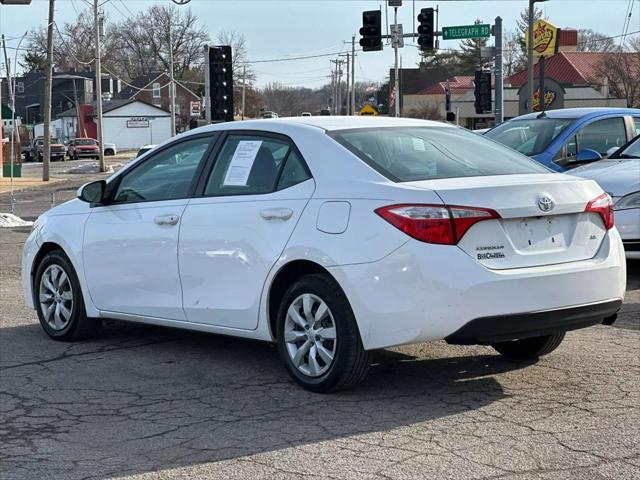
483	91
371	31
426	33
221	83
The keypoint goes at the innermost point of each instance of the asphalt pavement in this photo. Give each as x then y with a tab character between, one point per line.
153	403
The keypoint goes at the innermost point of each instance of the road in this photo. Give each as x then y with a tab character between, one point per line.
145	402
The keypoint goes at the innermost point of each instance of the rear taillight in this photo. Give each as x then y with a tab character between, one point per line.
443	224
603	206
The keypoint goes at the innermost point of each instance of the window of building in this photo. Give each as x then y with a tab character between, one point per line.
156	90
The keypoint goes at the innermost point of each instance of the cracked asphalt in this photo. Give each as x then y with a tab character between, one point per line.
144	402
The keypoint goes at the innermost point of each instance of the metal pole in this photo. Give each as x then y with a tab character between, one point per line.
172	85
98	87
46	153
339	94
396	101
541	101
499	103
353	75
530	54
244	85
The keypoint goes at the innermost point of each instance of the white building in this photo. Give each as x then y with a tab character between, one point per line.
127	123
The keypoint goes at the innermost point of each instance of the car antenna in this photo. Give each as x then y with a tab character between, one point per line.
542	114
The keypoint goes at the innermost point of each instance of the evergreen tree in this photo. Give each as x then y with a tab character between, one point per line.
469	57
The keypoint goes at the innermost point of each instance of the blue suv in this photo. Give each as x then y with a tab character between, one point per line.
563	139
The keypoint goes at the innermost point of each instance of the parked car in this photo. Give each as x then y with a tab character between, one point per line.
564	139
619	176
269	115
306	114
332	237
144	149
83	148
34	149
110	149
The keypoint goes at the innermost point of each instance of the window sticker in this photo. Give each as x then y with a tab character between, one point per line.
241	163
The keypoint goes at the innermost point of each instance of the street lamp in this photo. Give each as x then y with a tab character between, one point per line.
530	50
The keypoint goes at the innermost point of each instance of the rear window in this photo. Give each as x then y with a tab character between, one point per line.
531	136
424	153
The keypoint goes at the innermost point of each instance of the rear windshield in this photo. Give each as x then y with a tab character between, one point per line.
424	153
529	137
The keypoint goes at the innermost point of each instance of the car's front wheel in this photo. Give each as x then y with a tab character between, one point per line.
318	337
529	348
59	300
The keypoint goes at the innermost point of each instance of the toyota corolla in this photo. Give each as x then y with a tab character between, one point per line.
332	237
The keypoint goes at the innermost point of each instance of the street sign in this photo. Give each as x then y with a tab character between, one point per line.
396	35
479	30
367	109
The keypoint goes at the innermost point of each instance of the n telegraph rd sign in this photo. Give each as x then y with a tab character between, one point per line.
479	30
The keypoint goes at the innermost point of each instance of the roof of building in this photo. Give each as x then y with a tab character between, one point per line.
569	68
110	105
144	82
457	84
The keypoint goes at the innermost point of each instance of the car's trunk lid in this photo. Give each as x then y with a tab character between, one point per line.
526	235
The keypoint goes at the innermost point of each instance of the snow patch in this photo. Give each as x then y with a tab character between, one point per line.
93	167
9	220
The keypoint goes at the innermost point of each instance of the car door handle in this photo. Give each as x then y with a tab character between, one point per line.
166	219
276	213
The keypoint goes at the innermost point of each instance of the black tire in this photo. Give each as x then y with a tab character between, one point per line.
109	153
529	348
78	327
350	362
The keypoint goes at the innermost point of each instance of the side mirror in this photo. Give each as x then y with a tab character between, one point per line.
92	192
586	155
612	150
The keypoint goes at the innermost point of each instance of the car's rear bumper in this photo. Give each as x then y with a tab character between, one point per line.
500	328
423	292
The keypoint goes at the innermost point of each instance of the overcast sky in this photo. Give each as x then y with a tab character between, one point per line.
280	29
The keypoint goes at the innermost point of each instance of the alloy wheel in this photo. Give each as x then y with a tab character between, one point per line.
310	335
56	297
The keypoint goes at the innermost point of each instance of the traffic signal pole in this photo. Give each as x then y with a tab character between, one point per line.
498	108
96	25
396	76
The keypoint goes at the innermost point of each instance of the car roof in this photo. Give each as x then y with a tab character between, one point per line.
580	113
327	123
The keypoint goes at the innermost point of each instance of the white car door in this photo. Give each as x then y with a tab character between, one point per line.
232	235
130	244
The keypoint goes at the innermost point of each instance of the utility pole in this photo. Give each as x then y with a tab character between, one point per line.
348	95
172	85
353	75
46	153
244	87
339	87
499	102
96	26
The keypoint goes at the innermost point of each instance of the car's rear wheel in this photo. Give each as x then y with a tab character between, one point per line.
109	152
59	300
529	348
318	337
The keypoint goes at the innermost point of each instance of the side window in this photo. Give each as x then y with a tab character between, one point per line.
636	124
166	175
294	172
247	165
602	135
156	90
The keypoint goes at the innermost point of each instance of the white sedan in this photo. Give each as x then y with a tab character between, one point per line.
333	237
619	176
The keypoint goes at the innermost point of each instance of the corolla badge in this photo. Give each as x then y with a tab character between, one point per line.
545	203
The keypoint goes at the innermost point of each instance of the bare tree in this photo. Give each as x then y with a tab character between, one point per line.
426	112
592	41
621	71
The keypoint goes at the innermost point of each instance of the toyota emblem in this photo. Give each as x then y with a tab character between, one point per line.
545	203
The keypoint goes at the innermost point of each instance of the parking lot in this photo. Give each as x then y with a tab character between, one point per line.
148	402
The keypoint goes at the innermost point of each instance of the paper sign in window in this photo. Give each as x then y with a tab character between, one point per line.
241	163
